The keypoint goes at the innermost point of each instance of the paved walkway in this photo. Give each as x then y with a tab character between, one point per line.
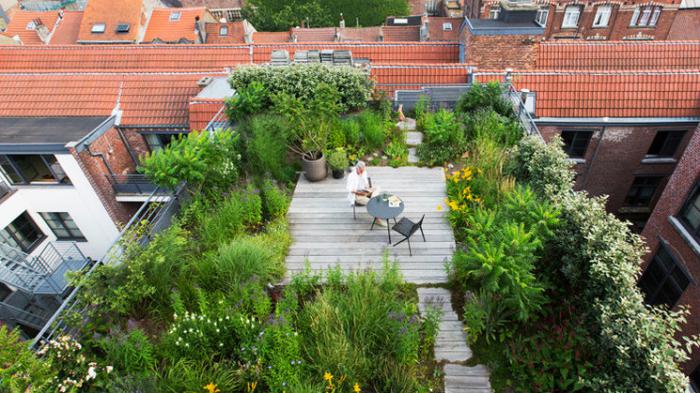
325	233
451	347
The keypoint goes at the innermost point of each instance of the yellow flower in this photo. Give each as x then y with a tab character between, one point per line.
356	388
328	377
439	208
252	386
211	388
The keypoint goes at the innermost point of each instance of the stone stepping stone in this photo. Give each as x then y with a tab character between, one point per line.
407	125
412	156
414	138
464	379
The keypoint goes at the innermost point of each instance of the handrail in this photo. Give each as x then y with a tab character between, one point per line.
522	113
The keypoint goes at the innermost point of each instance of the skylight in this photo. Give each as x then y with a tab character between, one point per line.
123	28
98	28
175	16
223	30
31	25
447	26
400	21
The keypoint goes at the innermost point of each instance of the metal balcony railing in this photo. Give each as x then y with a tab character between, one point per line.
522	113
4	189
132	184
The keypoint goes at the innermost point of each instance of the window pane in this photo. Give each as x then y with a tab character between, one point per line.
646	14
602	16
635	17
63	226
655	16
9	171
23	232
664	280
691	213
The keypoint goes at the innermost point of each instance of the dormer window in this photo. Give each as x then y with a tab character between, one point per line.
447	26
98	28
175	16
31	25
571	15
223	30
645	16
123	28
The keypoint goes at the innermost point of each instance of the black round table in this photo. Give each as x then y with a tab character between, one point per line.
379	208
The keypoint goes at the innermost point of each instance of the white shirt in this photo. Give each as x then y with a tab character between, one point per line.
356	183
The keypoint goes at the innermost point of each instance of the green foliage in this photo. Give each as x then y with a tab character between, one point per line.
275	201
186	375
207	161
309	122
373	129
546	167
305	83
272	15
337	138
250	100
351	129
266	140
397	151
487	96
503	247
338	159
422	110
130	353
281	348
239	211
489	124
20	369
444	138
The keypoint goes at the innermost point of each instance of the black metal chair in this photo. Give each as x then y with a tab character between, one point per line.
407	228
355	204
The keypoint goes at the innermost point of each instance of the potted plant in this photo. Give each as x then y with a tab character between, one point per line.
309	125
338	162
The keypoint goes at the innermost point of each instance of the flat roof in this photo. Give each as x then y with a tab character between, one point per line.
499	27
46	130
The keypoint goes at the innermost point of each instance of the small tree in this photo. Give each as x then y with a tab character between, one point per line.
203	160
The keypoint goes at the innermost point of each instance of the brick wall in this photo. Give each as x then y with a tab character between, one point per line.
501	51
117	156
686	25
686	175
136	142
613	159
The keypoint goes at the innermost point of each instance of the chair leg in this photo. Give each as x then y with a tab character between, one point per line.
354	217
401	241
421	232
410	252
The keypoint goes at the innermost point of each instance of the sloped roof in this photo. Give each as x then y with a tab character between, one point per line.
145	99
619	55
164	28
685	24
271	36
112	13
213	4
22	25
202	111
361	34
376	52
392	77
68	29
235	33
401	33
640	94
314	34
444	29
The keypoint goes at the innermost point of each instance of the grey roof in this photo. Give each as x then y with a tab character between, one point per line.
499	27
46	130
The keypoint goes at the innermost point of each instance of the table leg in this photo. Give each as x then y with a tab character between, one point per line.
373	221
388	230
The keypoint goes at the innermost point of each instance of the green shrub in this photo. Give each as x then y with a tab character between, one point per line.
233	265
274	201
337	138
484	97
489	124
186	375
281	349
422	110
444	138
250	100
546	167
304	82
130	353
206	161
20	369
338	159
230	218
373	131
267	150
352	131
397	151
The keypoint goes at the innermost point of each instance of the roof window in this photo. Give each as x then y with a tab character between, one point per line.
400	21
31	25
98	28
123	28
447	26
223	30
175	16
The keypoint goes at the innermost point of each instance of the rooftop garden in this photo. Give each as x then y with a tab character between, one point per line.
546	278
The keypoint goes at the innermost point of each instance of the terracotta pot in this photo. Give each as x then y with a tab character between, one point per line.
314	170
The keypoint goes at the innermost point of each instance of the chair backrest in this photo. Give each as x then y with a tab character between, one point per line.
416	226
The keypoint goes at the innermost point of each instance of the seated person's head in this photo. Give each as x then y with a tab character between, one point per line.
360	167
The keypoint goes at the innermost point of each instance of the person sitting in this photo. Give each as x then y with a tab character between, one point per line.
360	191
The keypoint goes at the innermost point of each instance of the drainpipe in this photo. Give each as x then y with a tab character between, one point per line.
104	159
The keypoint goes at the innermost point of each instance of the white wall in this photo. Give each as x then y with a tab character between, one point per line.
79	200
7	4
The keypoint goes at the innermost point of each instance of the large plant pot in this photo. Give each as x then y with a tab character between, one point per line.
338	173
314	170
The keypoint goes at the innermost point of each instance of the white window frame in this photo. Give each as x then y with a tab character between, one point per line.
175	16
655	15
542	21
98	28
223	31
566	23
494	13
646	16
602	16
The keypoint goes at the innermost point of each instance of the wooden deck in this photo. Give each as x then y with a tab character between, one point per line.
325	233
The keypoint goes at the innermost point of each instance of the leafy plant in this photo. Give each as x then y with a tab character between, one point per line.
482	96
274	201
20	369
266	140
489	124
351	129
130	353
444	138
338	159
422	110
249	100
373	129
397	151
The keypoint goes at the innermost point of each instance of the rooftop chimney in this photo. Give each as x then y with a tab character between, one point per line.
425	28
42	31
342	21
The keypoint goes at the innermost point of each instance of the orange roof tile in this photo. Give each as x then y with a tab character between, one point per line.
389	78
213	4
146	100
366	34
314	34
112	13
22	24
685	25
270	37
202	111
401	33
234	33
636	94
444	29
619	55
68	29
163	25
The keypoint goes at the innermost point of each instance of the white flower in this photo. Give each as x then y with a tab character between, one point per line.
92	374
109	369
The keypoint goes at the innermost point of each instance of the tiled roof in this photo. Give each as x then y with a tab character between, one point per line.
202	111
619	55
68	29
437	28
685	25
235	33
314	35
165	29
145	99
194	58
609	94
213	4
366	34
271	37
116	58
389	78
112	13
401	33
23	19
